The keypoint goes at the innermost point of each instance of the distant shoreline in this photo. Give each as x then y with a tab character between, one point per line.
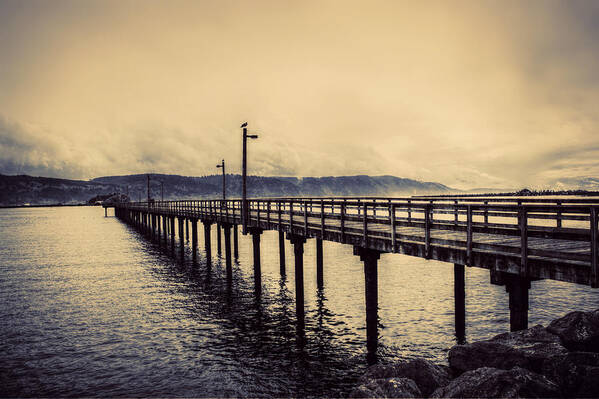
42	206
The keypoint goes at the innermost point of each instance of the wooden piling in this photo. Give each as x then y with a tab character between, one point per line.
517	288
207	243
235	242
218	243
370	258
319	264
194	239
282	252
298	251
459	290
256	232
227	233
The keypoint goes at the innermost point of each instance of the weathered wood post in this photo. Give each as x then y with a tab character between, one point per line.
159	229
235	242
194	239
459	292
298	251
181	241
164	229
172	233
282	252
105	212
218	243
207	243
256	232
186	229
228	260
517	288
370	258
319	264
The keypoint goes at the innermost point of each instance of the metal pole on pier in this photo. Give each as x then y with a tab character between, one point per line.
244	204
222	165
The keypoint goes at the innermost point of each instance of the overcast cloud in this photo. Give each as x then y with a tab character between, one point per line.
469	94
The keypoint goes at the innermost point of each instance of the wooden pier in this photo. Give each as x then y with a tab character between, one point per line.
518	239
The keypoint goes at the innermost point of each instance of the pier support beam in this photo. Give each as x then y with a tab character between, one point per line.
218	244
186	229
298	251
181	242
459	292
235	242
256	232
319	264
228	260
370	258
207	243
517	288
158	229
282	252
194	239
164	229
172	233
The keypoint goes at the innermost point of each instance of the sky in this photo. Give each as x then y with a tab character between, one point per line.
465	93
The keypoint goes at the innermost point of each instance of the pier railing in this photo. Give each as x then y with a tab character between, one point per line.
555	237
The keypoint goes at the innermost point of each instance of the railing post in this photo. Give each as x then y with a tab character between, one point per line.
427	230
594	254
342	210
305	219
523	223
409	211
486	213
291	217
257	213
393	234
322	222
280	203
469	235
455	212
365	232
268	214
559	215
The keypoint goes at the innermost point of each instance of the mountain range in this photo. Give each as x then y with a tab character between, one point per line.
23	189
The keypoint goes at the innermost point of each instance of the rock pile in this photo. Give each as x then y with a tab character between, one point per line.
561	360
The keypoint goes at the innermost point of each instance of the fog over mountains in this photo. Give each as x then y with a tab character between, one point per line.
22	189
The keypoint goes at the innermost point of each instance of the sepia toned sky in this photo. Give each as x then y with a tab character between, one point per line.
466	93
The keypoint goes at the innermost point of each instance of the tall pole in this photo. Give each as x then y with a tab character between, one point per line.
244	203
222	165
243	179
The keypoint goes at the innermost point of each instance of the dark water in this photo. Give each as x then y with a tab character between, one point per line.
89	307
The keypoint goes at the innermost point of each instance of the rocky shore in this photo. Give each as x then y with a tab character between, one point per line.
560	360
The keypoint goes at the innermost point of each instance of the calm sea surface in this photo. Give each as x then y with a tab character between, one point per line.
89	307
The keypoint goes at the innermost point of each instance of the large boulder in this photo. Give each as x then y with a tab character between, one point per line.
427	375
577	374
579	331
487	382
387	388
529	349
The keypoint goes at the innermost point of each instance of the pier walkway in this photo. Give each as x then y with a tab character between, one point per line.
518	240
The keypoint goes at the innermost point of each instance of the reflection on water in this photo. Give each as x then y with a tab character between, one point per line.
91	308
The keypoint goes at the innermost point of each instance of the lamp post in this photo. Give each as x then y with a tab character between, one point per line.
222	165
244	204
